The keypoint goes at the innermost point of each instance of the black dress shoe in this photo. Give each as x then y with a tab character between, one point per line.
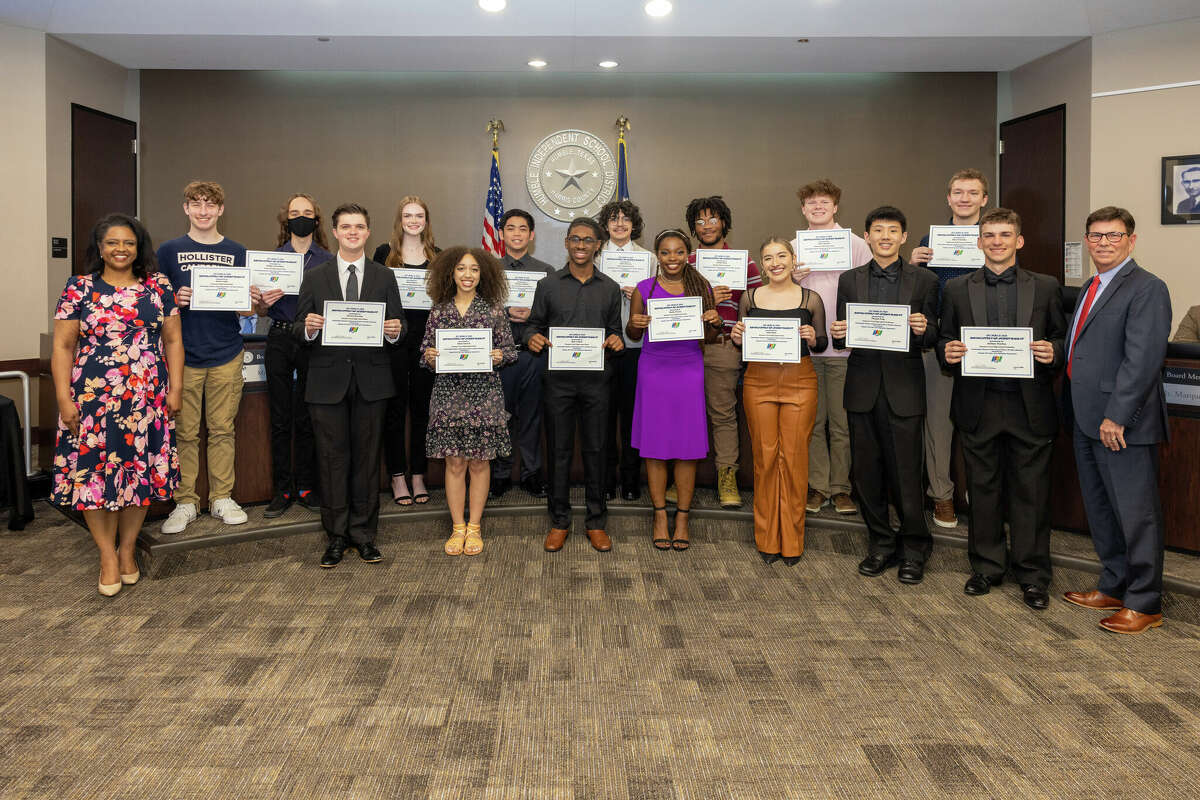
500	486
311	500
979	584
610	493
534	485
875	565
631	492
279	504
334	552
1035	597
769	558
369	553
911	572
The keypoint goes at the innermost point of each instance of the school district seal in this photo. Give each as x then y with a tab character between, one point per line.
571	174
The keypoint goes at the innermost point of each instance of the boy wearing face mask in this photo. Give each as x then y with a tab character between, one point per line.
293	472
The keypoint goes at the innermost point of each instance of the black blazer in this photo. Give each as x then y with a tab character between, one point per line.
1039	306
330	368
900	376
1116	368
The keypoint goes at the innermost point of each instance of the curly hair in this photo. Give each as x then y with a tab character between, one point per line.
144	264
714	205
694	284
439	281
396	256
204	190
626	207
285	235
823	186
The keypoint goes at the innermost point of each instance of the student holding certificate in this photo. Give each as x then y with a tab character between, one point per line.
293	470
780	401
1006	424
669	421
411	246
885	397
468	425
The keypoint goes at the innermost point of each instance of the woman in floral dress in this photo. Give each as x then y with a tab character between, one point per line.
117	364
468	425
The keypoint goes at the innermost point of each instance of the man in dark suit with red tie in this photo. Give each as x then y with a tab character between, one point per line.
1114	395
1006	425
348	387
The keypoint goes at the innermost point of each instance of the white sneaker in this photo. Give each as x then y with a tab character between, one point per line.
227	511
179	518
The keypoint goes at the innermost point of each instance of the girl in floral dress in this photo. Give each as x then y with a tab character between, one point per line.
117	363
468	425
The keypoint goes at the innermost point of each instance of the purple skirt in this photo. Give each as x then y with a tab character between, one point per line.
669	416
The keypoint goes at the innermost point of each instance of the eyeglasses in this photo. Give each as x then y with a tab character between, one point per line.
1113	236
589	241
709	221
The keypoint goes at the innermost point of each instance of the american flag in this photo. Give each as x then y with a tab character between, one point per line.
493	210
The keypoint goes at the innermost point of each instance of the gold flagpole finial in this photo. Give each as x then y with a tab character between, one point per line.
623	125
495	127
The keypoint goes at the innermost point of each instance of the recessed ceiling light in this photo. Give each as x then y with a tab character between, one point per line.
658	8
608	64
493	5
324	39
537	63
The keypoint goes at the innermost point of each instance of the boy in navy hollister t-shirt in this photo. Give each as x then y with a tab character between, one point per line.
212	372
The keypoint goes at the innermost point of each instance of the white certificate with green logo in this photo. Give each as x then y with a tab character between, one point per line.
576	349
824	250
997	352
877	326
772	339
627	267
674	319
955	246
352	324
220	289
411	283
724	267
521	286
463	349
270	269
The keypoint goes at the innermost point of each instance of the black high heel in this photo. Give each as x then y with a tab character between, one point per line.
680	544
661	544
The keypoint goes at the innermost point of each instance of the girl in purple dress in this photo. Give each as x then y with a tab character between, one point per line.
669	419
117	364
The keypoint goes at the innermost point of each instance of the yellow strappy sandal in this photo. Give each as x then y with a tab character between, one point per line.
474	543
454	545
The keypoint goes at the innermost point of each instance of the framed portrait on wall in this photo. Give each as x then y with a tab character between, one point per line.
1181	190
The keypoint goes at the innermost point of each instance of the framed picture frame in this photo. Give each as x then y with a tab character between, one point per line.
1181	190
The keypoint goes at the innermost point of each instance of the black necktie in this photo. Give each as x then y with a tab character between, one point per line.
351	284
891	275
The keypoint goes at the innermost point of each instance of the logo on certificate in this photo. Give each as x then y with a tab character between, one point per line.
571	173
410	294
274	279
959	252
354	329
462	356
997	359
576	354
877	332
823	256
770	345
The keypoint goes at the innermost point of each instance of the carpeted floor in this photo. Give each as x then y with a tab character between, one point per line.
521	674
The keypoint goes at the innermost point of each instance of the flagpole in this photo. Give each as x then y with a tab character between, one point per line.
622	158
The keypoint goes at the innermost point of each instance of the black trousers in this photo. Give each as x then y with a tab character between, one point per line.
414	386
1120	496
1008	477
349	441
887	453
579	398
621	460
522	382
293	459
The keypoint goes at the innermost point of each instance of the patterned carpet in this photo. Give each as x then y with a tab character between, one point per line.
521	674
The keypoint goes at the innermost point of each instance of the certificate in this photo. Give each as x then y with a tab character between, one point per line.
824	250
876	326
411	283
955	246
771	339
997	352
273	270
521	286
463	349
220	289
674	319
627	267
352	324
724	267
577	349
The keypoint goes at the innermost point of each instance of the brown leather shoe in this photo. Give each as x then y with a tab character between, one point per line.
1093	599
842	504
555	539
600	540
943	514
1129	621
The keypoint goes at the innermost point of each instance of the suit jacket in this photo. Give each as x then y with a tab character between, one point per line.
1190	205
900	376
1116	364
330	369
1039	306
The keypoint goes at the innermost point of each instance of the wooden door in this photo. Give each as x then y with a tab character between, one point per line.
1033	175
103	173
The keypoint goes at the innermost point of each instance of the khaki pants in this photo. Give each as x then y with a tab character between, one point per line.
829	456
939	430
212	394
722	368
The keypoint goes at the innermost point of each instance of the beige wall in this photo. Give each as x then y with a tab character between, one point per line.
374	138
1132	132
1061	78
